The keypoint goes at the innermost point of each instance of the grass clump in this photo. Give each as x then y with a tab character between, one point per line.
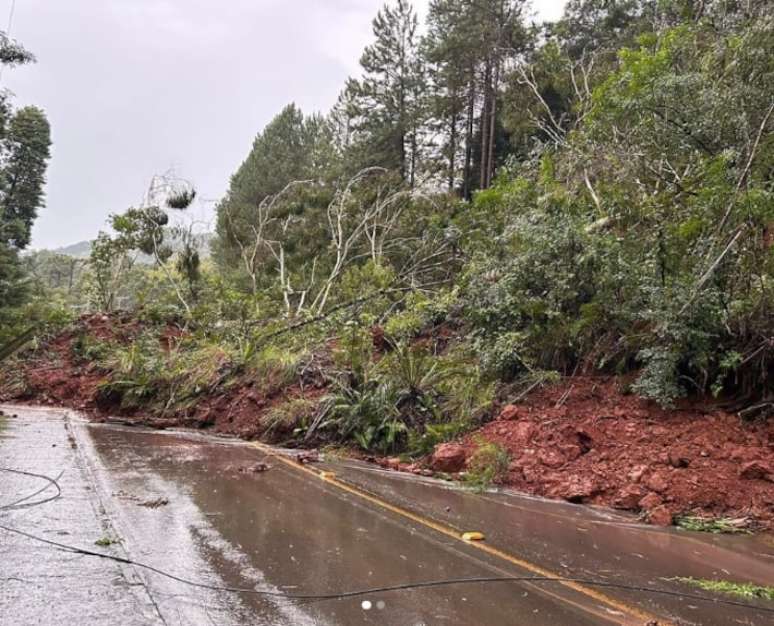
740	590
489	464
104	542
719	525
289	417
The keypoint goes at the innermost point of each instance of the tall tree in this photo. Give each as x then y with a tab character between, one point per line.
388	99
25	156
24	152
468	45
292	147
451	71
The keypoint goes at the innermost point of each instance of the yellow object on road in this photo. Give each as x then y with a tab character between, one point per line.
632	614
473	536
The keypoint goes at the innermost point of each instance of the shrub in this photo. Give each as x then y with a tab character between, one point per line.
290	417
488	464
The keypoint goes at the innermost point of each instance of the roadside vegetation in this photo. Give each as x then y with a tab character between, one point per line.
713	525
727	587
489	207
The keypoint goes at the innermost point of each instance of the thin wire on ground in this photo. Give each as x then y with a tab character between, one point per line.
22	502
390	588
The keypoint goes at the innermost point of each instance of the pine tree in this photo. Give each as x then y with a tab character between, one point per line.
24	152
468	44
388	101
26	147
451	70
290	148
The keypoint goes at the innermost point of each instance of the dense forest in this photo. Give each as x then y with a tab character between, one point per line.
490	206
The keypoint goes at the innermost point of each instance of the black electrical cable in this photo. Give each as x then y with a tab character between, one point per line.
17	504
375	590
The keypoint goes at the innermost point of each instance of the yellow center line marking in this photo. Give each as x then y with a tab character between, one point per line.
641	616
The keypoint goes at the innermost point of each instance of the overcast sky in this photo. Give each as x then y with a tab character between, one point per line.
136	87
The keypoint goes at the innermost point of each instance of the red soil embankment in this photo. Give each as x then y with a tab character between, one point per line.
583	440
55	376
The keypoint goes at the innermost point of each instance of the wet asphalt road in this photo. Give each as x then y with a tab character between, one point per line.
182	502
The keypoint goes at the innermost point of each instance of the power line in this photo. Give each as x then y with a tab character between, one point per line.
10	18
374	590
22	502
312	598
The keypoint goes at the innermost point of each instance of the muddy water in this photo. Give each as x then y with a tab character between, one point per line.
180	502
282	531
591	543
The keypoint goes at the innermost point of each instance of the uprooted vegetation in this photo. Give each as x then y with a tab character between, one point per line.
727	587
593	323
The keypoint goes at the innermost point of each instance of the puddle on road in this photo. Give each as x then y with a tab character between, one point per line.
283	530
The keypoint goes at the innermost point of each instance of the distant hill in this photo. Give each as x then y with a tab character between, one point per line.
82	249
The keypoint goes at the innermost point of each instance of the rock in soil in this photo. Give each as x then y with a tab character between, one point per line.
660	516
448	457
756	470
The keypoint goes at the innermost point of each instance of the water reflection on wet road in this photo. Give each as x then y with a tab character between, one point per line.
184	503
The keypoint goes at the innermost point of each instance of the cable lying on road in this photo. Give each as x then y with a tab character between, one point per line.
374	590
22	503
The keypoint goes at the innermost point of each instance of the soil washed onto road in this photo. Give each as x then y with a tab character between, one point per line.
226	514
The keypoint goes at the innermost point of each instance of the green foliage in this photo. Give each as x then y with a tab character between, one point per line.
387	102
181	199
369	416
104	542
404	324
718	525
144	230
636	241
488	465
86	347
607	206
26	150
423	443
740	590
25	140
109	262
272	366
419	312
145	373
46	315
288	418
292	147
15	344
409	400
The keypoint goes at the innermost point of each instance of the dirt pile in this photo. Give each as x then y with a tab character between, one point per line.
583	440
54	375
59	374
586	441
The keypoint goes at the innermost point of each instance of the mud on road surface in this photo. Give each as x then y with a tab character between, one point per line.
225	514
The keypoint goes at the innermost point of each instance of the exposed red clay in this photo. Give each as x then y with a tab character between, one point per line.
56	377
585	441
582	440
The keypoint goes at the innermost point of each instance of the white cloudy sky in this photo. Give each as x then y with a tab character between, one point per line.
136	87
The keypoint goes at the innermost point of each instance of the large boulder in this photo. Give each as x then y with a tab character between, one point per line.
650	501
448	457
657	482
575	489
629	497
